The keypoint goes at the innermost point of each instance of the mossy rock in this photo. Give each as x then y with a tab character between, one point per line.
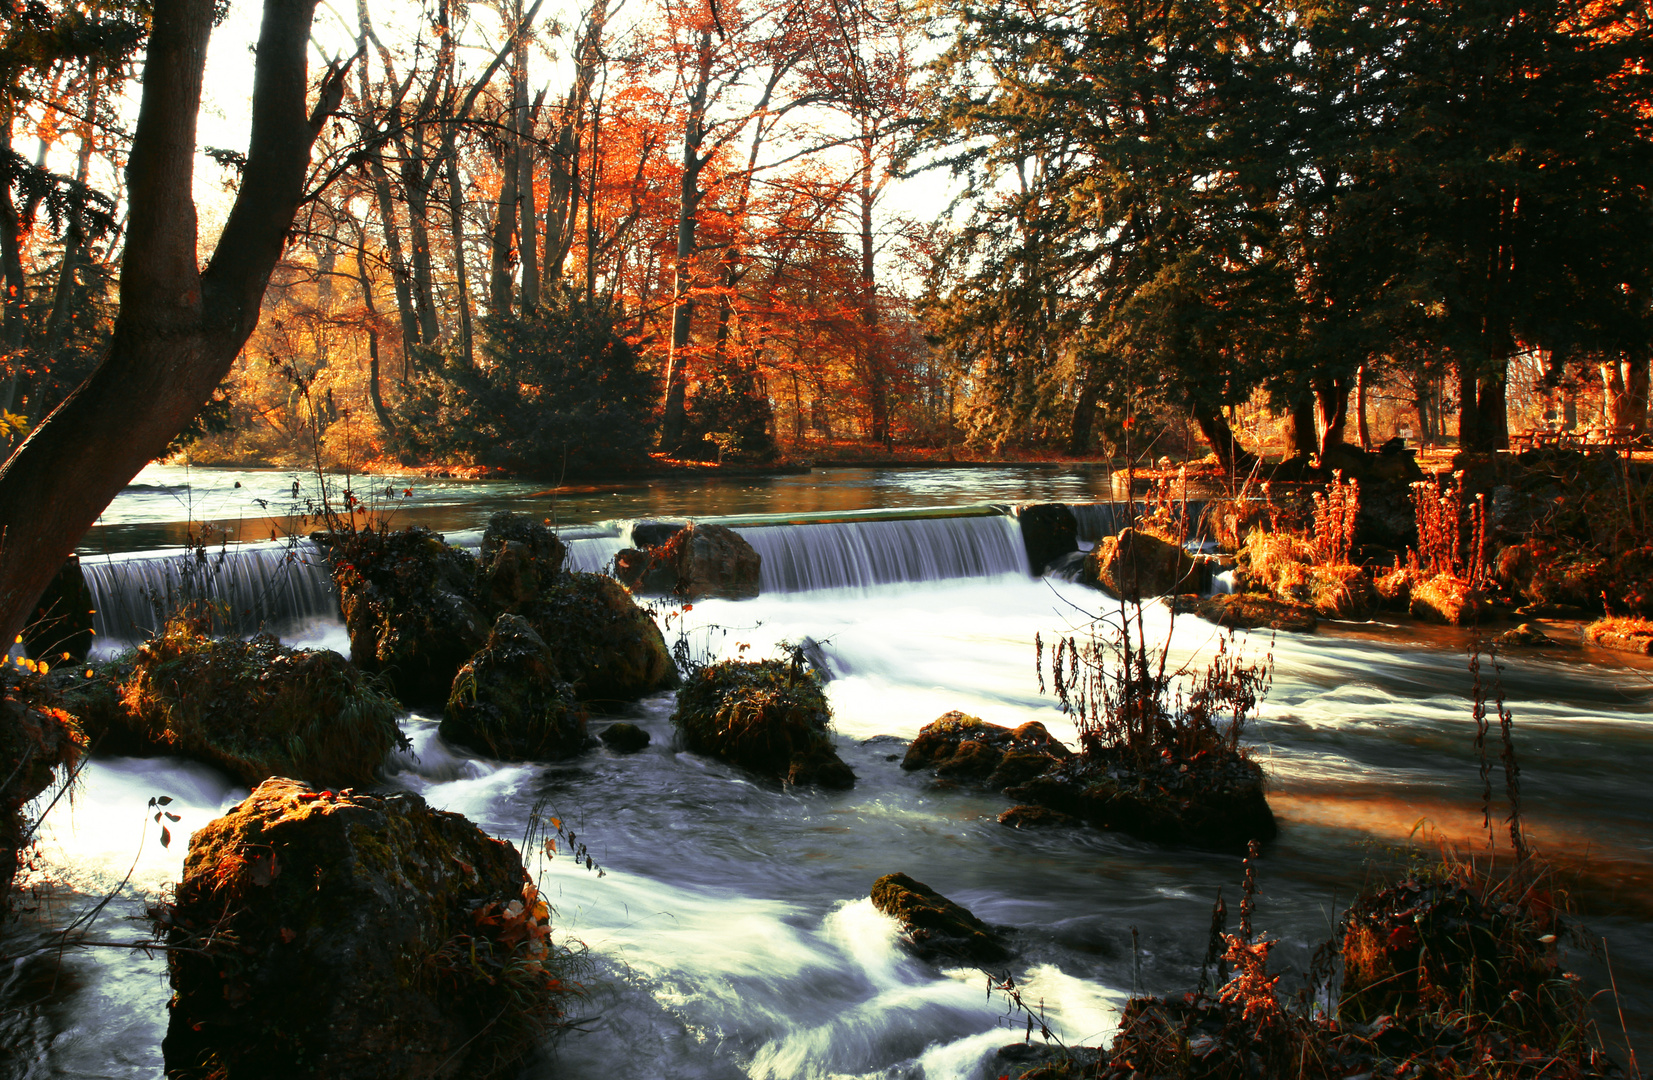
958	746
1342	592
1216	804
520	557
256	708
1526	635
357	938
1394	589
1037	817
39	743
624	738
933	927
769	716
411	606
707	561
607	646
1447	601
1136	565
1625	635
510	702
1250	611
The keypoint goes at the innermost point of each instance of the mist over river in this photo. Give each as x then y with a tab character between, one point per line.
731	935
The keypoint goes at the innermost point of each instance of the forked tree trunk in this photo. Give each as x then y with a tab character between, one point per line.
1233	457
179	328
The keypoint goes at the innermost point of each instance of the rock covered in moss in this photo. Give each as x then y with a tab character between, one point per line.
1394	589
256	708
707	560
1250	611
624	738
963	747
1216	802
933	927
520	557
1037	817
62	619
603	643
1526	635
353	937
510	701
39	744
769	716
1136	565
409	601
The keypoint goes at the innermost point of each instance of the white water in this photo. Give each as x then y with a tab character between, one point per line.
731	936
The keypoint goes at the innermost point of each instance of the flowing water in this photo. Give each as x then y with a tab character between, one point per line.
731	935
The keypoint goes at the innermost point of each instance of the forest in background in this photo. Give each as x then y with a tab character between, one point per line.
559	247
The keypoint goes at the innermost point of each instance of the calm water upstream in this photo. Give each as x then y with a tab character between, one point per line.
732	935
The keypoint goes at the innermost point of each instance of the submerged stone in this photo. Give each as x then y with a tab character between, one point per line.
933	927
769	716
510	702
357	938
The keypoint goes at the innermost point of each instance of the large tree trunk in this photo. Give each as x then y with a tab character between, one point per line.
1303	438
1362	432
179	328
674	415
1331	404
1084	413
1483	410
1625	389
1233	457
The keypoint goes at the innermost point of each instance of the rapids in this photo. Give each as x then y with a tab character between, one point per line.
730	934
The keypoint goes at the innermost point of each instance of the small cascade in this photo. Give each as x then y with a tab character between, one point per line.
592	554
257	587
859	554
1097	520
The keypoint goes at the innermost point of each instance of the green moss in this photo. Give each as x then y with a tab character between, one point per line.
934	926
257	708
510	701
603	642
770	716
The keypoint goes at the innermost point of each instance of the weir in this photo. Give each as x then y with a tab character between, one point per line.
859	554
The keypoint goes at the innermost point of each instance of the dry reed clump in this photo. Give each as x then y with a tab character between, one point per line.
1621	633
1289	567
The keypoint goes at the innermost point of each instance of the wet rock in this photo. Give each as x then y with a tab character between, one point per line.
39	744
353	937
544	549
601	641
1049	531
1135	565
1447	600
711	561
510	702
1249	611
1044	1061
1217	803
409	602
769	716
1625	635
1037	817
624	738
1526	634
257	708
639	572
962	747
933	927
62	619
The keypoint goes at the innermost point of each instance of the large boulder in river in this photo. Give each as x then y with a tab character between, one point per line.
520	558
255	708
353	937
710	561
1136	565
409	601
769	716
607	646
510	702
934	927
962	747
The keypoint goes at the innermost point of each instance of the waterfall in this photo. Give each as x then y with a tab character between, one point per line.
592	554
257	586
858	554
1101	519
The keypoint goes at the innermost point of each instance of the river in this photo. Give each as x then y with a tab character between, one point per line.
731	935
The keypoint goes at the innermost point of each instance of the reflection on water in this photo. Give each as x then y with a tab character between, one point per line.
155	509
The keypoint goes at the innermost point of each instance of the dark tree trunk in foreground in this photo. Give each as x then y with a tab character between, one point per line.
1233	457
179	328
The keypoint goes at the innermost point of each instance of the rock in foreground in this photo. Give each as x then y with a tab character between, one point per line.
934	927
356	938
769	716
